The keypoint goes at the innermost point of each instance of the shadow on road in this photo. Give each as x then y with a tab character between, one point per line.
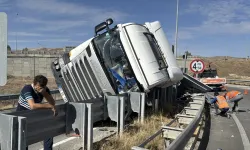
242	111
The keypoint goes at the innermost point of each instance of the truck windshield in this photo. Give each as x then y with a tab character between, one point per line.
112	55
156	49
208	74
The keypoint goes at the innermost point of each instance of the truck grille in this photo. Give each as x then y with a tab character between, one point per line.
78	80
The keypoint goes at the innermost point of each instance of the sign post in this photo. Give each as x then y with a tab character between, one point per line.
197	66
3	48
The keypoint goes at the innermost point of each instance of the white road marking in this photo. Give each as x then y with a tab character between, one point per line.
65	140
242	131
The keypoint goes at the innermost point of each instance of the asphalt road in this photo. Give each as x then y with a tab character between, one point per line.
244	107
223	132
63	142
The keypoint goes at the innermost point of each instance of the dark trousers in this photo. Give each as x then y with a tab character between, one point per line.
47	143
223	111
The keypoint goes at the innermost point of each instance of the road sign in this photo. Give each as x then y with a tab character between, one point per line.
197	66
3	48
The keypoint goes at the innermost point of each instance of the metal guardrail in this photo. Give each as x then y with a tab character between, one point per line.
238	82
16	96
28	127
24	128
188	121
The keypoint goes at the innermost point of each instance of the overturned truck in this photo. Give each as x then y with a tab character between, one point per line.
126	60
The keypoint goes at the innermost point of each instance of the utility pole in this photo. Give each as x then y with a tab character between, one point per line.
175	47
185	61
176	32
16	33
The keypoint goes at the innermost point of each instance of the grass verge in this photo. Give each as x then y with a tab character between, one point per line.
135	134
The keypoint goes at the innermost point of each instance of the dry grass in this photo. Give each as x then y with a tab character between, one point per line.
4	107
7	104
229	66
135	134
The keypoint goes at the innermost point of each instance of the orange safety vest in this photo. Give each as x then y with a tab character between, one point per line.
222	102
232	94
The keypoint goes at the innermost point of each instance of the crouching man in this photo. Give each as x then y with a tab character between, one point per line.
220	103
233	97
31	97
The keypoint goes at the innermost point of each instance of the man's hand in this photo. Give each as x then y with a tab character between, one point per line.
41	90
55	111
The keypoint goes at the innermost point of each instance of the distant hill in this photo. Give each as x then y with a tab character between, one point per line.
230	67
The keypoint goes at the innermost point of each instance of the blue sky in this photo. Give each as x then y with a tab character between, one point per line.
206	27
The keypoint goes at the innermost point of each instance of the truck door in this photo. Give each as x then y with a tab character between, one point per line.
144	49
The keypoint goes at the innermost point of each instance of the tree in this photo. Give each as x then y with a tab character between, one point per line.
8	48
186	54
25	49
189	53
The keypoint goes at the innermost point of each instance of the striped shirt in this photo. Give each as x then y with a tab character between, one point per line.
28	93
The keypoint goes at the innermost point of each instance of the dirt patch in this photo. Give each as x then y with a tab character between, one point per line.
15	84
230	67
7	104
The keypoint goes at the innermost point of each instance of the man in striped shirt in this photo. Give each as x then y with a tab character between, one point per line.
31	97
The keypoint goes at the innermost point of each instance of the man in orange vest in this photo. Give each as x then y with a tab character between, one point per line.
220	103
233	97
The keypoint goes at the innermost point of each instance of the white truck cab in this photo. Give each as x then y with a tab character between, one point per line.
127	58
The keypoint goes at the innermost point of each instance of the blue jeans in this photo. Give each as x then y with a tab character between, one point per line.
47	143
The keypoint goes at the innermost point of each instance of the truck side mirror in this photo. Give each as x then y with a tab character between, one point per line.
109	21
100	27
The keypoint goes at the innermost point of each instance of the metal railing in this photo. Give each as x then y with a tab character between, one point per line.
73	117
184	135
238	82
24	128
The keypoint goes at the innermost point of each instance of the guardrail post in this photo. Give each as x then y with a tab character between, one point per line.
79	120
22	131
142	106
122	111
156	100
8	128
90	127
114	110
87	127
137	104
105	109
